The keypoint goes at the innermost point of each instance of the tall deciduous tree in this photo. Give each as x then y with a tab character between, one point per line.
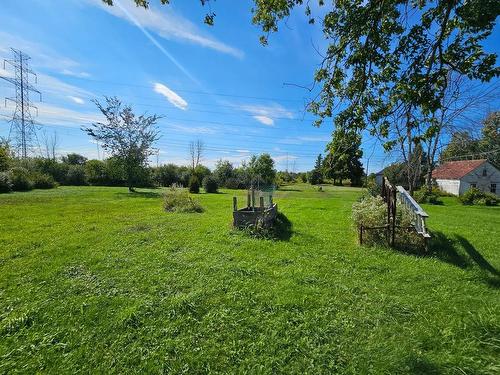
343	160
262	169
316	175
391	57
127	137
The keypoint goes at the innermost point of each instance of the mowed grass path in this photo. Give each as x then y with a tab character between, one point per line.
98	280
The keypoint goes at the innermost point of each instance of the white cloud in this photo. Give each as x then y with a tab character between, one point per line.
42	57
279	158
76	99
54	115
265	114
171	96
243	151
167	24
273	110
69	72
264	120
192	129
54	86
303	139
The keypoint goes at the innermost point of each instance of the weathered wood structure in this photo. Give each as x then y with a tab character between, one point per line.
394	196
262	213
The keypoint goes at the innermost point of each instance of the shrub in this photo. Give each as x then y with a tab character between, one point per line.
166	175
4	158
210	184
474	196
75	175
95	172
425	196
21	179
371	212
57	170
43	181
177	200
238	182
194	185
5	183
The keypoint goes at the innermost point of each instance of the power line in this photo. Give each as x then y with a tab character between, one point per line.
188	91
22	124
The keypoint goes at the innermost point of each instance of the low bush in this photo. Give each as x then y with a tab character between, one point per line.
210	184
75	175
43	181
373	188
21	179
425	196
178	200
5	183
194	185
234	183
474	196
371	212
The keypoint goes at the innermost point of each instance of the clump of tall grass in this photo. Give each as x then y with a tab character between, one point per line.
178	200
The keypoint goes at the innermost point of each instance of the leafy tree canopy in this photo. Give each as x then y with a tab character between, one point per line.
127	137
262	169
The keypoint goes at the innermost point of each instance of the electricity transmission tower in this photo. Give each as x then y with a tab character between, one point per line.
22	127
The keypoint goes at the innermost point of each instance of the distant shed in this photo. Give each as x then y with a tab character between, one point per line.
456	177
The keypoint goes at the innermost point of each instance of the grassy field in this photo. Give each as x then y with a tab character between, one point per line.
99	280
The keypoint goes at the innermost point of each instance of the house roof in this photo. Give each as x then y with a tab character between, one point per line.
454	170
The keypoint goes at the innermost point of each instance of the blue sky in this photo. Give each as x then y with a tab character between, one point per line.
217	84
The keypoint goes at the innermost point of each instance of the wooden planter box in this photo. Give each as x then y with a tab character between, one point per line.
250	216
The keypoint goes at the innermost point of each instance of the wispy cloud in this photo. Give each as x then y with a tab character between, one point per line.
174	98
265	114
54	115
76	99
264	120
167	24
192	129
278	158
42	56
69	72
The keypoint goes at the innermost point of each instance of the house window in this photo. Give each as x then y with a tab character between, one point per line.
485	172
493	188
473	186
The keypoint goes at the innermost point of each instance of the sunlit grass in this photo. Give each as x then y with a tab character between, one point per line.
101	280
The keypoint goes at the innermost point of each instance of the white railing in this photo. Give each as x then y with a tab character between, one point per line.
418	214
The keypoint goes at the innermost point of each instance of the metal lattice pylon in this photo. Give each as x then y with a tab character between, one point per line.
22	128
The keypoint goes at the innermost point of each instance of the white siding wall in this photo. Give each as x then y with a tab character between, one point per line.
450	186
482	182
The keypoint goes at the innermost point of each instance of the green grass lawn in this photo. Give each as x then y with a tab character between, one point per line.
99	280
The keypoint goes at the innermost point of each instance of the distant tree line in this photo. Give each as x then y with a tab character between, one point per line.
465	145
75	169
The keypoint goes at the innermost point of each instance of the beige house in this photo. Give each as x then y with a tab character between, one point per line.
456	177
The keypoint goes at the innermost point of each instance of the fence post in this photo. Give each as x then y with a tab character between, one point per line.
248	199
393	204
253	200
261	201
361	235
235	204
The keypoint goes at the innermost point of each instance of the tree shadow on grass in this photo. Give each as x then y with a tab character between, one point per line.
289	189
282	227
139	194
458	251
